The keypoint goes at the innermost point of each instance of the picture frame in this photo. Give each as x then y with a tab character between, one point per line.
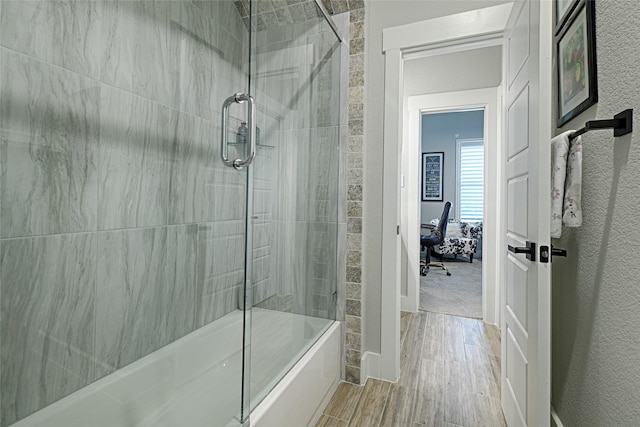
563	11
576	63
432	176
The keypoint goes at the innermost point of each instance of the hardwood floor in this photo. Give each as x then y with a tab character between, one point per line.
449	376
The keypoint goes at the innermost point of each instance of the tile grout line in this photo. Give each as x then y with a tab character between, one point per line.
333	418
444	372
384	406
421	359
353	411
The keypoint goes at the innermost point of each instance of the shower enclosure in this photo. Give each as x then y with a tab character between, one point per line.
168	206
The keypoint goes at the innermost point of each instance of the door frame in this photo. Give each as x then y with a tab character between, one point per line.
467	28
489	99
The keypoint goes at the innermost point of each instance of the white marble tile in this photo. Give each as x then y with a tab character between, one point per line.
302	188
48	307
201	187
325	264
49	119
342	173
230	69
292	264
196	50
285	167
230	22
136	136
221	257
323	174
194	160
219	303
64	33
229	189
342	83
145	292
138	50
341	270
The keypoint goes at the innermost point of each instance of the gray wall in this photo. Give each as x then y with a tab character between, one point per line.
383	14
596	297
440	132
470	69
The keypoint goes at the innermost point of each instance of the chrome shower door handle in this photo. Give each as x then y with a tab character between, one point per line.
239	98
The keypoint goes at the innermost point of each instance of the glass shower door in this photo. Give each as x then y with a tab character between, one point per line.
123	234
292	188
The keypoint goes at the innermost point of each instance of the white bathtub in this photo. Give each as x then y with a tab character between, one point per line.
196	380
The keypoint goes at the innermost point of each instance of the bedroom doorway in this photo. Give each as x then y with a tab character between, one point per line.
486	103
452	169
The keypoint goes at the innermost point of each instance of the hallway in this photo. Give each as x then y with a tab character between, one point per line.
449	376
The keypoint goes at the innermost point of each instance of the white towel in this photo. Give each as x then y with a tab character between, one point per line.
559	152
572	212
566	182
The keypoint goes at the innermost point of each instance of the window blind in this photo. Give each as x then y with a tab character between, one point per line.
470	180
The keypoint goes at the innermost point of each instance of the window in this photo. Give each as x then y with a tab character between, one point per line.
470	180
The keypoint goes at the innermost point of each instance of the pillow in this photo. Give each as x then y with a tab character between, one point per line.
454	230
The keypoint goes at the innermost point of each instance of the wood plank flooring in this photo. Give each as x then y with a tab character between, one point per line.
449	376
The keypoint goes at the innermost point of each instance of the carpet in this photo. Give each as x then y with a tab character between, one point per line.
459	294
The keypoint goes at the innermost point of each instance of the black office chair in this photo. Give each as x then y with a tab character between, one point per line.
436	237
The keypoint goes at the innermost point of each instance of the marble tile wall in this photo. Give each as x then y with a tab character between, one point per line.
120	229
50	167
279	13
48	311
299	91
145	292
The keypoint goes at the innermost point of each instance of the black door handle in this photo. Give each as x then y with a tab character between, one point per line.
518	250
530	250
545	256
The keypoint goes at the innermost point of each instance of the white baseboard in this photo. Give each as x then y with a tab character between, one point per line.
369	366
555	419
408	304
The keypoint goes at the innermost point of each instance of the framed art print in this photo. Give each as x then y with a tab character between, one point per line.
563	11
432	168
576	63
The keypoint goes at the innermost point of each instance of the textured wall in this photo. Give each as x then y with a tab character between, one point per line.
596	319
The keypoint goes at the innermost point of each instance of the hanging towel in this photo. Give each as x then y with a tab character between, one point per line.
559	153
572	212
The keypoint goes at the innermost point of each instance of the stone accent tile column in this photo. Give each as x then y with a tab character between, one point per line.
355	139
353	318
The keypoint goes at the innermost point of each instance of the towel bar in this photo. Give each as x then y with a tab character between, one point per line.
622	124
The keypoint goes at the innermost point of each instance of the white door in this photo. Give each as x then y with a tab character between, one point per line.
526	296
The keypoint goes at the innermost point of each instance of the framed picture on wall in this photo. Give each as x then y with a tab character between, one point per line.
576	64
432	175
563	11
